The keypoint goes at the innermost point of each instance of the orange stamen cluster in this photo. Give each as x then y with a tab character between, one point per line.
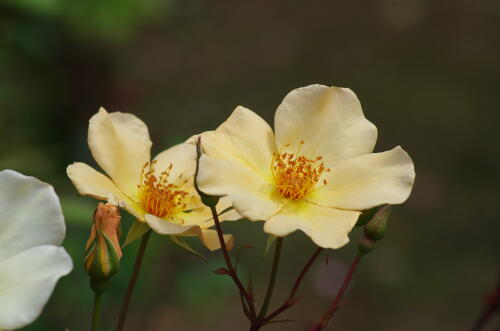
159	197
295	175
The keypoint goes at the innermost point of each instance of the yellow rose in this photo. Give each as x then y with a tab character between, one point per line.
158	192
316	173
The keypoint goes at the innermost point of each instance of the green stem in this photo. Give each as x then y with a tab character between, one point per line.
97	310
133	280
272	280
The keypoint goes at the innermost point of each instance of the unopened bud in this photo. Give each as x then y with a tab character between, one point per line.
103	252
207	200
376	228
366	216
365	245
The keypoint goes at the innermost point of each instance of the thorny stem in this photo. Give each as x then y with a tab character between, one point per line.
133	280
291	298
492	307
327	316
272	279
97	310
231	270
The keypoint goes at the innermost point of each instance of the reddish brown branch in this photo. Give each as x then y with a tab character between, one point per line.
291	300
328	315
231	270
491	308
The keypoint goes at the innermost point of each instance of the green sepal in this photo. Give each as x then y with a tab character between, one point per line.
207	200
366	216
377	227
270	240
225	210
137	230
183	244
365	245
101	262
99	285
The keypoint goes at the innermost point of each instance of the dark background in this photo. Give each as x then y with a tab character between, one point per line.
427	73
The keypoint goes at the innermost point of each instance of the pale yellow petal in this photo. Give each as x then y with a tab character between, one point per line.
182	157
165	227
244	138
197	213
230	215
329	120
368	180
120	144
253	196
327	227
207	236
92	183
182	160
210	239
237	163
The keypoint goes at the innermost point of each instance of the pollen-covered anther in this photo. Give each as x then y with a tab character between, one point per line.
157	195
296	175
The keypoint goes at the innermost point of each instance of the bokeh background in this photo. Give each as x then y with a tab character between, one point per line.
427	73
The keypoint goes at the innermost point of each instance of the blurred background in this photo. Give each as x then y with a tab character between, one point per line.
427	73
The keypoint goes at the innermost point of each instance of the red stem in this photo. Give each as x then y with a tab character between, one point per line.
289	302
327	316
492	307
230	267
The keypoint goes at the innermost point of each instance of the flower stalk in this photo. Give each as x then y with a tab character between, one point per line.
328	315
231	271
272	282
133	280
373	231
211	202
97	311
491	308
292	299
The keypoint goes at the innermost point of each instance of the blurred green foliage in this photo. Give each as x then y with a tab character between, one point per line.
425	71
111	20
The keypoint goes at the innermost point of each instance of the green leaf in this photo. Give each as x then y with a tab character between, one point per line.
225	210
270	241
137	230
183	244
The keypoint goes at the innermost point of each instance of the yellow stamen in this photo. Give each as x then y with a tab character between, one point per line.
295	175
158	196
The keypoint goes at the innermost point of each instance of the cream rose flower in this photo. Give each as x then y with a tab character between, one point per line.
315	174
158	192
31	260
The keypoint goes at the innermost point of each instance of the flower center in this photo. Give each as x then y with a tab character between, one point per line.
295	175
157	195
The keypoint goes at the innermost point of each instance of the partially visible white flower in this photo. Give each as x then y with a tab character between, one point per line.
31	260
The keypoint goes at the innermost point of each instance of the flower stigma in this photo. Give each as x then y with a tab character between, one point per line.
158	196
296	175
